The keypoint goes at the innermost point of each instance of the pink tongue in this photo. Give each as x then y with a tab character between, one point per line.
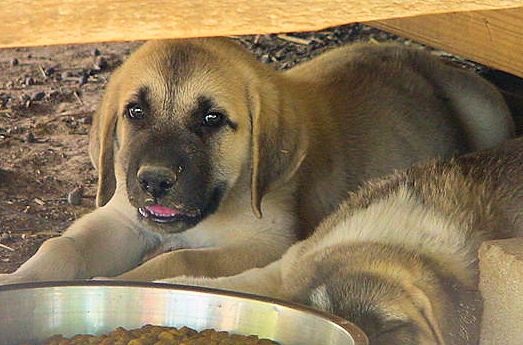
163	211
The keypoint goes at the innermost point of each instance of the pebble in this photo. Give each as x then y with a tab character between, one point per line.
30	138
83	79
54	94
24	98
10	84
280	54
100	63
86	120
97	52
71	123
66	74
29	81
38	96
5	100
75	196
15	62
50	71
266	58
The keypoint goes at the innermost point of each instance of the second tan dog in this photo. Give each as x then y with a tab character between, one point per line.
399	258
195	140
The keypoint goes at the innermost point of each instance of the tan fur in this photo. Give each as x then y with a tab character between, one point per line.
304	139
417	283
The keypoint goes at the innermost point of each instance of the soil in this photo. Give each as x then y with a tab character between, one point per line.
48	96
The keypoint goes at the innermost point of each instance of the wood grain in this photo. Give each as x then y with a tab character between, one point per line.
46	22
494	38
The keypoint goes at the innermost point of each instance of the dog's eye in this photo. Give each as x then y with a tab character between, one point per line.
213	119
135	112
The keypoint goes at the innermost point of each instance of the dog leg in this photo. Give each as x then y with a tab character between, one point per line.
107	242
206	262
266	281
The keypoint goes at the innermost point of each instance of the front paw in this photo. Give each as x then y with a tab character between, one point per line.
183	280
15	278
213	283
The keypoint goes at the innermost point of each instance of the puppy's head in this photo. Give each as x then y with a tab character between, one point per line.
387	313
184	122
378	296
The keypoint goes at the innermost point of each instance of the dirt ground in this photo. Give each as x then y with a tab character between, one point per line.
47	98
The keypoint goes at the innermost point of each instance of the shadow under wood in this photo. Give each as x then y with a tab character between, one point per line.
511	87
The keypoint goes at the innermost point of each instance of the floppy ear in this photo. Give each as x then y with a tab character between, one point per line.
423	304
278	142
101	146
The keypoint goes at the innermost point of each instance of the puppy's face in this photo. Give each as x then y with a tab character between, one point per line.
184	122
182	132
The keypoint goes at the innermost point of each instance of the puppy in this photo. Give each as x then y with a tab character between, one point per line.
192	135
399	258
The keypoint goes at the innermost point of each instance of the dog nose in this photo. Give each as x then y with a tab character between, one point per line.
156	181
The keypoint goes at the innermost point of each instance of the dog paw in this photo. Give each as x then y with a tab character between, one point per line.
186	280
14	278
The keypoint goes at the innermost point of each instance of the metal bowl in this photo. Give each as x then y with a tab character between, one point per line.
32	312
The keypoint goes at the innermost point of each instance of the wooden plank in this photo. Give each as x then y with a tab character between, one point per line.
44	22
493	38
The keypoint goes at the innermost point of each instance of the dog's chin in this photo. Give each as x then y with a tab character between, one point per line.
165	219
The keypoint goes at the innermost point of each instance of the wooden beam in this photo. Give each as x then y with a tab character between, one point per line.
45	22
493	38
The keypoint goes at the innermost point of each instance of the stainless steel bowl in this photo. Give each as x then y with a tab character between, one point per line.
33	312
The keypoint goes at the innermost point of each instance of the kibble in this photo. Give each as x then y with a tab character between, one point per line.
159	335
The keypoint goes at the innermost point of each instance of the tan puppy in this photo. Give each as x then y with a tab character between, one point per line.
192	135
399	258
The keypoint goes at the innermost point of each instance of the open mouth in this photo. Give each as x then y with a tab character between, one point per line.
162	214
157	213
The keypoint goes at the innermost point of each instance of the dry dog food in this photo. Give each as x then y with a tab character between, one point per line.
158	335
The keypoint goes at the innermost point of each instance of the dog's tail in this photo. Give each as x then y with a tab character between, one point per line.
480	107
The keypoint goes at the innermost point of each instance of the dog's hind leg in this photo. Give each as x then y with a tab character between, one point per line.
479	107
